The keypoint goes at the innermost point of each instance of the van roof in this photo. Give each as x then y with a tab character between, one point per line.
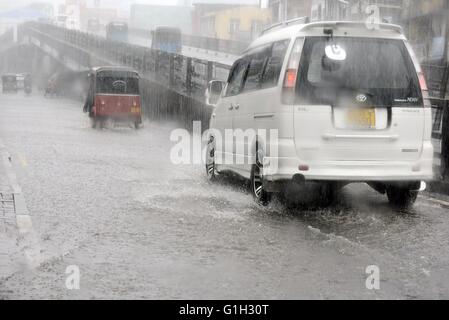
339	28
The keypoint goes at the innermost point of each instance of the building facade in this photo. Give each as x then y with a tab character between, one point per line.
230	20
427	26
289	9
150	16
357	10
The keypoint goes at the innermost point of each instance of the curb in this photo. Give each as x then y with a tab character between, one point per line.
441	187
23	241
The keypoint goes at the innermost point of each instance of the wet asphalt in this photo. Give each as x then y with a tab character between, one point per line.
110	202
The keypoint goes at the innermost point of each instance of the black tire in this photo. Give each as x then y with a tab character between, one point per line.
261	196
328	195
93	123
401	198
211	170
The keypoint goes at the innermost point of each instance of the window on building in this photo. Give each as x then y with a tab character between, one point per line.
256	28
234	26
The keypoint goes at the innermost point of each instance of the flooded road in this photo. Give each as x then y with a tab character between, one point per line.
138	227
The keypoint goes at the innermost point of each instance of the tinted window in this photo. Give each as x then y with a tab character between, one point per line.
236	78
274	64
117	85
257	62
379	68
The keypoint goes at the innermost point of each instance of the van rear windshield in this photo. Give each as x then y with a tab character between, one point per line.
335	71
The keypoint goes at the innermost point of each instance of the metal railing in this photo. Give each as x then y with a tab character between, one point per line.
436	77
185	75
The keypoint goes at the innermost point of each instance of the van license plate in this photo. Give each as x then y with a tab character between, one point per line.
361	118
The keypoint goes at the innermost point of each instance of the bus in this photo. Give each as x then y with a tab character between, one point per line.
93	26
168	39
117	31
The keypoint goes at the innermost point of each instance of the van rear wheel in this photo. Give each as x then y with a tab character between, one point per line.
401	198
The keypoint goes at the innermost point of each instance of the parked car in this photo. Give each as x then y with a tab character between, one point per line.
9	83
348	104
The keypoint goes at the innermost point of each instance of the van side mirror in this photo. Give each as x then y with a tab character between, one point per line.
214	90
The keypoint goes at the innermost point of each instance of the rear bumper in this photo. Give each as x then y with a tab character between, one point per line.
118	116
282	169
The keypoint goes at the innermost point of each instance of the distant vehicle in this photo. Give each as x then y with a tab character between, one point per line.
348	105
168	39
20	81
9	83
61	20
28	83
114	94
117	31
93	26
52	86
73	24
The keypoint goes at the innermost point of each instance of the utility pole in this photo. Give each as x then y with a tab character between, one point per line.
283	10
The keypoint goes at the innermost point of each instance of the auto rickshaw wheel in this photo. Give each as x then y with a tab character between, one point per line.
93	123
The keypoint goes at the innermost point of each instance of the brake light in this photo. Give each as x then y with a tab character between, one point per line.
291	75
290	78
422	82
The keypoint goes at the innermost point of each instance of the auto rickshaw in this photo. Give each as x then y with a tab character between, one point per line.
113	94
51	89
9	83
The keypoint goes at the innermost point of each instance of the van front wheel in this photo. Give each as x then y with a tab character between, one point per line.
401	198
260	195
210	162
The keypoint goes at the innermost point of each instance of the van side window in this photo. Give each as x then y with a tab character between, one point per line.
274	65
256	68
236	77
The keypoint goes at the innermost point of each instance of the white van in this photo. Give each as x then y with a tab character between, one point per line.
345	102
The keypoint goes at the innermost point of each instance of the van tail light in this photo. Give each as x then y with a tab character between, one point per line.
291	75
290	79
288	92
422	82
